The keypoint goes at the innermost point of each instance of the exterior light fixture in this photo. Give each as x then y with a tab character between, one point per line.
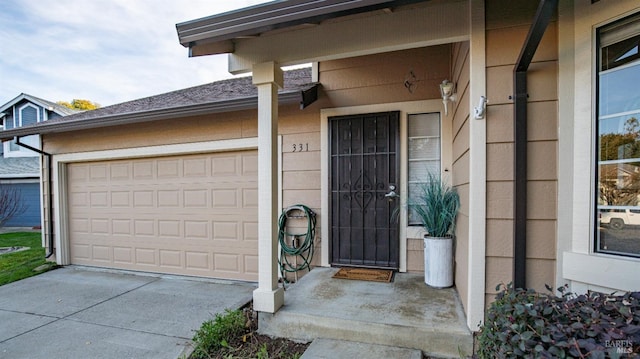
446	91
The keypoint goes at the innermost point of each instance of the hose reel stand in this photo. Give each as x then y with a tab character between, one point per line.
296	245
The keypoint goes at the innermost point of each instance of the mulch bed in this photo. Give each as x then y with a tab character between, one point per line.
254	345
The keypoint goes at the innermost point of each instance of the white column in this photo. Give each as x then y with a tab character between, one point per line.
268	297
477	170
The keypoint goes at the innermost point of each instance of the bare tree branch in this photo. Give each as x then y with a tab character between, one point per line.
11	204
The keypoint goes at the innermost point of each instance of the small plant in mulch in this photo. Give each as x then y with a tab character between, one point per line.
233	334
524	323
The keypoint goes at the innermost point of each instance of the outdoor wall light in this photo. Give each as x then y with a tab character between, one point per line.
446	91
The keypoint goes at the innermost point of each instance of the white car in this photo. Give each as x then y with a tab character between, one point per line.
618	218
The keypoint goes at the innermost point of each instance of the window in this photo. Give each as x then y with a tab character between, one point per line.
26	115
423	154
618	143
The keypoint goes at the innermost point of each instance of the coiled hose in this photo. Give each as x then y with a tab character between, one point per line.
296	247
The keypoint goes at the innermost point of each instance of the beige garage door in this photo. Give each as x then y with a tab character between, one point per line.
194	215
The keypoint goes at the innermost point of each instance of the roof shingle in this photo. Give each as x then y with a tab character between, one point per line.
236	88
19	167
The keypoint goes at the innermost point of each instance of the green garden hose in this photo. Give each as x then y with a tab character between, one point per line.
299	244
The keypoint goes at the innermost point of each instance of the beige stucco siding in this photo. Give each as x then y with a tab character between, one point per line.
504	38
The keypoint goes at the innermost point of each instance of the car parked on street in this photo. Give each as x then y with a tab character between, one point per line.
619	218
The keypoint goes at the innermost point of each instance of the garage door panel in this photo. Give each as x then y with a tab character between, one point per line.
197	261
251	264
123	255
194	215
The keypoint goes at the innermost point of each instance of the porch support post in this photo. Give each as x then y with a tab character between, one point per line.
268	297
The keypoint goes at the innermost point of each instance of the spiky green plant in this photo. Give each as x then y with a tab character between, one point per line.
436	206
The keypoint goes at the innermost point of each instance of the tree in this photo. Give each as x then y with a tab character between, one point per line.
617	146
619	182
79	104
10	204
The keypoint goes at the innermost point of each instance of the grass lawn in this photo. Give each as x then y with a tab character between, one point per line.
20	265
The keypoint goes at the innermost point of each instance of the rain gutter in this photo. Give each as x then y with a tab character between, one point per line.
49	191
63	125
543	15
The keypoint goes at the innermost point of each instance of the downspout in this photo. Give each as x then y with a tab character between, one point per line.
540	23
49	190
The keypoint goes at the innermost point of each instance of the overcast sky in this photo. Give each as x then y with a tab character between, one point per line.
106	51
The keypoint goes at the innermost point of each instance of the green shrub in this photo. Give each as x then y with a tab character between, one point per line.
215	334
525	323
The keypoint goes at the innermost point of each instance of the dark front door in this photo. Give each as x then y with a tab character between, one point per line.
364	187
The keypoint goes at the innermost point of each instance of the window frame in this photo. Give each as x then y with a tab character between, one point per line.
598	31
409	160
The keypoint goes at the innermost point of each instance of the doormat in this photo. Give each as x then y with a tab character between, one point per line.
372	275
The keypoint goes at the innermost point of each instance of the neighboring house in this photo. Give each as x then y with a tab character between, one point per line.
20	167
176	183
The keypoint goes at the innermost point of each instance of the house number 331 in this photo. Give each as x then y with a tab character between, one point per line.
300	147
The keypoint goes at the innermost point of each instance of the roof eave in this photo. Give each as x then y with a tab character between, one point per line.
247	103
38	101
215	34
17	176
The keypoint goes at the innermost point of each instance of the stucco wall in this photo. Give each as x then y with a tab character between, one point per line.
507	26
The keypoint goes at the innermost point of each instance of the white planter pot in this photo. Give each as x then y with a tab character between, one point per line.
438	262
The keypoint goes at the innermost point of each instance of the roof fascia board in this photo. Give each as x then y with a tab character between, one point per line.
35	100
254	20
432	24
12	102
246	103
20	176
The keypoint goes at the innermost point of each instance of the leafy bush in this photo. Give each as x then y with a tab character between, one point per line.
525	323
214	334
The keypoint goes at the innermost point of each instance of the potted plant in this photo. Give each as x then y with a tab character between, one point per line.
436	207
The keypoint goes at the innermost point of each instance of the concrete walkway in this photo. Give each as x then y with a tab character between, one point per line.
76	312
341	349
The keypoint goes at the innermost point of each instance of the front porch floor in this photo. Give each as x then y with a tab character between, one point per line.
405	313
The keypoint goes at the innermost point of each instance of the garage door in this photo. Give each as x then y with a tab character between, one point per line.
193	215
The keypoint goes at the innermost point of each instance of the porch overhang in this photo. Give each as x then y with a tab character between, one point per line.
300	31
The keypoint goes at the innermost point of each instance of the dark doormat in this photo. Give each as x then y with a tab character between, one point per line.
372	275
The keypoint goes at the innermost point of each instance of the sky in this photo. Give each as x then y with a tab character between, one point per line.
105	51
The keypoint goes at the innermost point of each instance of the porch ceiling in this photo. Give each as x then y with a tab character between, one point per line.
300	31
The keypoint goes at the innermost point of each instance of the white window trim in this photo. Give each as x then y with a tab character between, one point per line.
21	108
577	262
17	122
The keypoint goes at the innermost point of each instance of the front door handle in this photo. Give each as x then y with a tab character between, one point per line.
391	195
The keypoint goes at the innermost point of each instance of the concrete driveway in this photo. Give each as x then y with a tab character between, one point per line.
76	312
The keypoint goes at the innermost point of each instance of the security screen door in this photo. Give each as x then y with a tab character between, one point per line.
364	190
